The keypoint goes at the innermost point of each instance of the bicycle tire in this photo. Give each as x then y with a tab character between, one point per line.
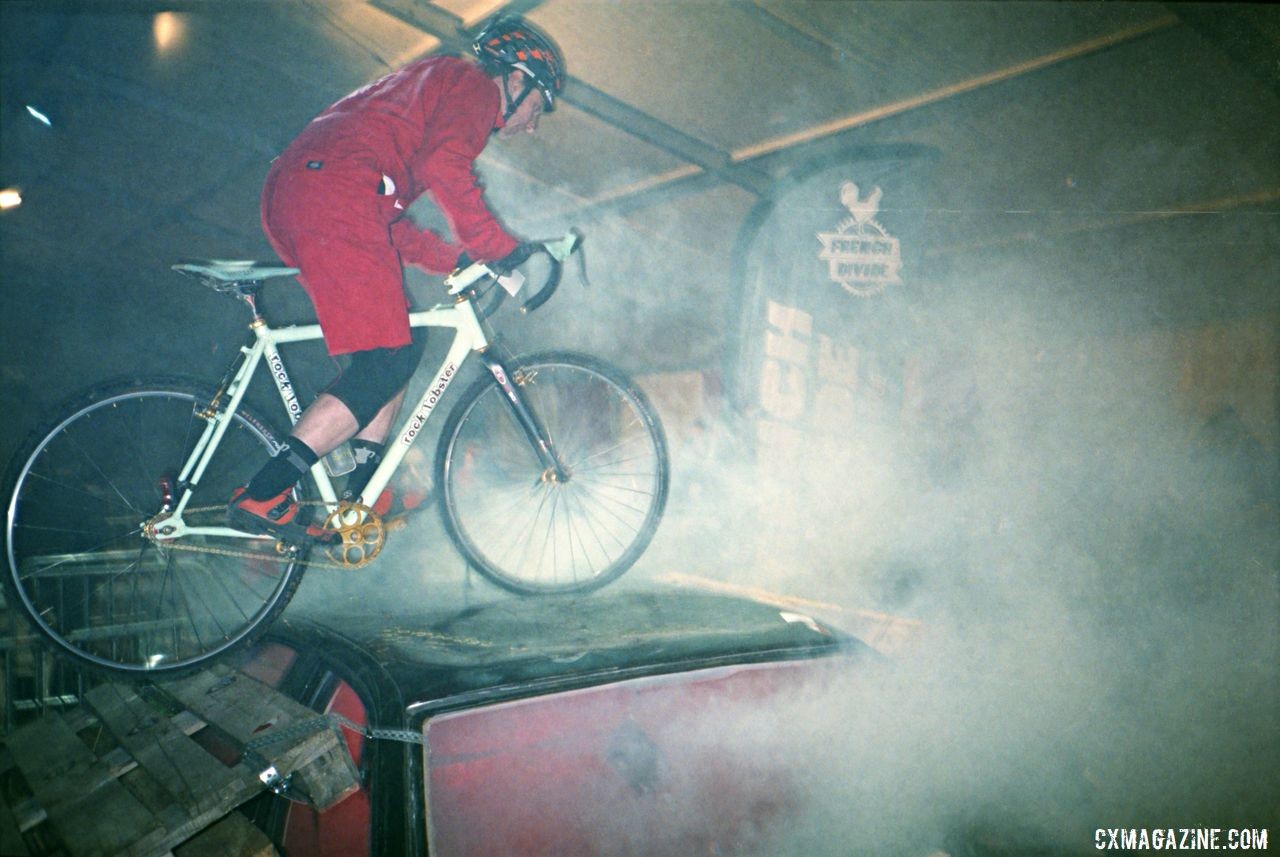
77	564
529	533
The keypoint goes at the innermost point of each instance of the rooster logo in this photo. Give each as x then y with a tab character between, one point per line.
860	255
863	210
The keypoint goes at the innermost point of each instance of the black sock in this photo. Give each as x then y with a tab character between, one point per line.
368	456
284	469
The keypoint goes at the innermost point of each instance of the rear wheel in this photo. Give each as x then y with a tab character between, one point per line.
79	565
514	519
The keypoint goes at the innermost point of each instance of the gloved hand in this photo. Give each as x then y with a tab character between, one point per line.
515	258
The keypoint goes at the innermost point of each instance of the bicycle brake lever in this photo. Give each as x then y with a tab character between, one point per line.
565	247
562	247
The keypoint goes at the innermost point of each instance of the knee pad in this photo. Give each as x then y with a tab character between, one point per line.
373	379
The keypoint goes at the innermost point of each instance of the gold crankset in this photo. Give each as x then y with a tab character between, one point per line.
353	535
359	535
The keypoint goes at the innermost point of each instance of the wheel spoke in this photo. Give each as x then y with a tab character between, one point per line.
84	571
563	536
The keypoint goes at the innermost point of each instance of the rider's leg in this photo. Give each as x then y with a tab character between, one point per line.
367	446
325	424
266	504
327	220
362	400
378	429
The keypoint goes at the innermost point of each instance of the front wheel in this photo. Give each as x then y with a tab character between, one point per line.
520	523
79	563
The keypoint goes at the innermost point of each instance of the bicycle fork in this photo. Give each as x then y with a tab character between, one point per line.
540	439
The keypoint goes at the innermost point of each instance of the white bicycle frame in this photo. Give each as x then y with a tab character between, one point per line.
469	337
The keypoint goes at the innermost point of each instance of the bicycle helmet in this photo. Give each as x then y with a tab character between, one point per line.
509	42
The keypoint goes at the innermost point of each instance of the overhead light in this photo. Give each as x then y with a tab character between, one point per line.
10	197
39	117
168	28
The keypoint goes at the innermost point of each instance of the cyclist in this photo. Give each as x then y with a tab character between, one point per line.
333	206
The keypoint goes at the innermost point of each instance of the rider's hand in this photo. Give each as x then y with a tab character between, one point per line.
515	258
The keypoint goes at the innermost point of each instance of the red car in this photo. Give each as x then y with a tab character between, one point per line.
603	725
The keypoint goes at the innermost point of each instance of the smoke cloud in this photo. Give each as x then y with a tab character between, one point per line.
1088	543
1080	532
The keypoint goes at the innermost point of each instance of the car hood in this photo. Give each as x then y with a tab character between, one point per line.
518	646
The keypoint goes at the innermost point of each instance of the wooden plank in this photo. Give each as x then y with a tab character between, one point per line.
187	723
321	768
177	827
87	808
18	803
119	762
234	836
122	776
48	753
152	788
178	824
249	711
242	707
185	787
192	778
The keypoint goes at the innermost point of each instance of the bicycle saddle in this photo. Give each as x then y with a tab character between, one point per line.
229	271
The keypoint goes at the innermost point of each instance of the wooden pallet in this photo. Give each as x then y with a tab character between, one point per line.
132	771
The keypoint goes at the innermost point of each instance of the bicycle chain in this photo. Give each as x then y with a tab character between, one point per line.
353	537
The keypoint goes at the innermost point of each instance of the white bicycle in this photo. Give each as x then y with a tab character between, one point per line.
551	475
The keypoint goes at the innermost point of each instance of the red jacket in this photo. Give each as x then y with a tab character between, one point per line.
422	126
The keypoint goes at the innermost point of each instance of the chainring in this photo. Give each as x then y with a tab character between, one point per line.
360	533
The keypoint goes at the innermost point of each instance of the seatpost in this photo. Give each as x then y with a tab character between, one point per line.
248	292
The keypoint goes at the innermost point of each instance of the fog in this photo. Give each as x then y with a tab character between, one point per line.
1091	560
1073	519
1070	527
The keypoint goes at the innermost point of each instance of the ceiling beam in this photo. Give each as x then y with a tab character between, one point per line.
676	182
924	99
707	165
451	30
804	39
704	157
431	19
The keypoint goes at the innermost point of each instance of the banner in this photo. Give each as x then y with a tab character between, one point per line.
829	280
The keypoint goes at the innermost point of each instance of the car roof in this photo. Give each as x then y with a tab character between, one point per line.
447	658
